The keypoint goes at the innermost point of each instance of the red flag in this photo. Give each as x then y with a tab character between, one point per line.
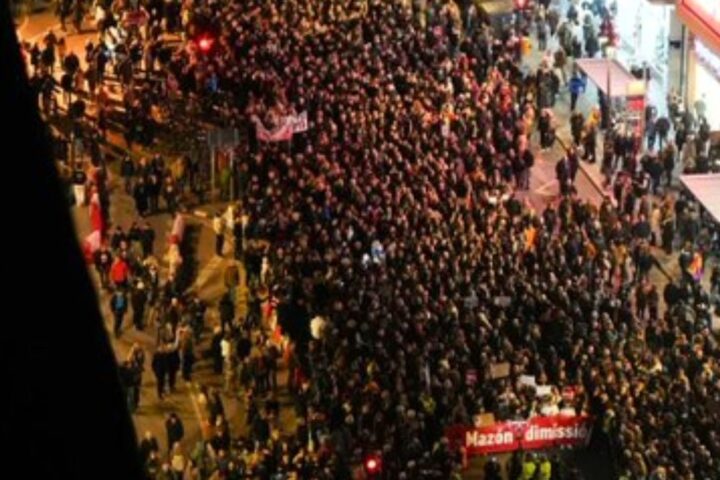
97	222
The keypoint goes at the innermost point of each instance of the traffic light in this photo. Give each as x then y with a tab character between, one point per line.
373	466
205	42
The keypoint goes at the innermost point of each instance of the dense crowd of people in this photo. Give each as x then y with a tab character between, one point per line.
403	233
394	227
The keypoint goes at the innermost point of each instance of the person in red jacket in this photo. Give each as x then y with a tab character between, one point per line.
120	272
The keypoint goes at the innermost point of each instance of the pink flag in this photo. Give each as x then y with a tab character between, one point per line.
91	244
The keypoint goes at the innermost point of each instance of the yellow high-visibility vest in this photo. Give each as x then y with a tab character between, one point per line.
528	471
545	470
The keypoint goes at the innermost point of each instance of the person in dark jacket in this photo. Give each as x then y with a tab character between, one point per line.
227	312
662	127
546	129
118	306
562	173
67	82
147	239
197	310
153	191
140	195
592	45
174	429
148	445
577	121
655	169
186	351
136	357
160	369
126	372
668	163
47	57
138	299
260	428
103	260
71	64
573	160
62	10
127	171
492	469
216	350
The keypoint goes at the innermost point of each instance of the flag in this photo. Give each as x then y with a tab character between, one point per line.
530	235
91	244
96	220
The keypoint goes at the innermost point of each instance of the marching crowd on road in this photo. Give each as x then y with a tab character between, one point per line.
392	241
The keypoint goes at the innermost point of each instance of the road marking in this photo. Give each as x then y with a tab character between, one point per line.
547	189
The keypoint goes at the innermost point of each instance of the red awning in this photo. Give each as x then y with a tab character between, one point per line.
702	20
706	188
597	71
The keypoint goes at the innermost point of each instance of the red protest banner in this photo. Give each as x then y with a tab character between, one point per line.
534	434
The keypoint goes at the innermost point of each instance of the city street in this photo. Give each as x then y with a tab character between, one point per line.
424	316
209	283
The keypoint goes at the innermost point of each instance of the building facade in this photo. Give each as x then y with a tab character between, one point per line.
701	21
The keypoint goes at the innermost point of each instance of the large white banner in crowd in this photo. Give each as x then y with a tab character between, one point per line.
286	128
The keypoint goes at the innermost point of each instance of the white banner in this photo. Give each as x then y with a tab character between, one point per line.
288	125
299	122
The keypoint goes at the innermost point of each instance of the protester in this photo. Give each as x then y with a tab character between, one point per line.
174	429
118	307
138	301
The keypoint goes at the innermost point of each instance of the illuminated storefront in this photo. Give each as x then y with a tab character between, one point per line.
702	18
643	28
